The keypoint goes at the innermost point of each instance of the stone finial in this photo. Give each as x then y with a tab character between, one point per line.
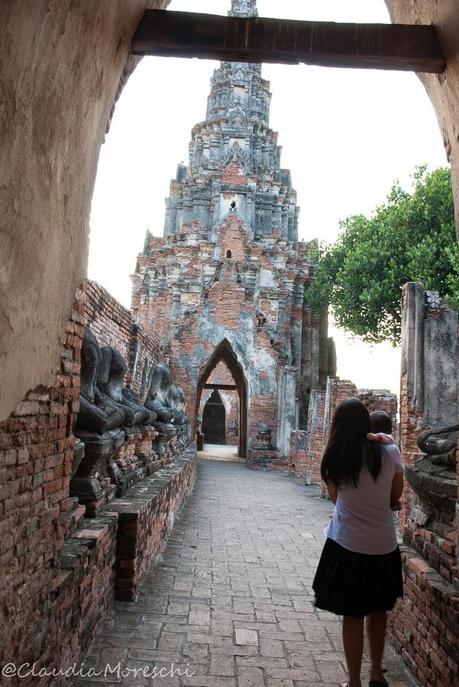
243	8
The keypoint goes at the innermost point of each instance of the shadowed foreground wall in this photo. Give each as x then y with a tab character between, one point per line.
61	62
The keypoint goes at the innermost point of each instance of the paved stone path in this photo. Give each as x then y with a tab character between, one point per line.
230	599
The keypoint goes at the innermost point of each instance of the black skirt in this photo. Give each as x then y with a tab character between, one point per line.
357	584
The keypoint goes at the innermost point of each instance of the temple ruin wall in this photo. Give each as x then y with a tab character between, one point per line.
58	567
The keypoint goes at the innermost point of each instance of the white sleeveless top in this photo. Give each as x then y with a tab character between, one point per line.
362	519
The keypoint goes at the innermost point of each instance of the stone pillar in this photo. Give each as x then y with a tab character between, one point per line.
328	411
305	366
324	362
315	436
297	326
287	408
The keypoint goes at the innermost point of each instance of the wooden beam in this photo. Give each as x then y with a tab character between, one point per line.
258	39
222	387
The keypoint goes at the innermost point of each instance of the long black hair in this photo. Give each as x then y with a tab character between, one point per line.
348	448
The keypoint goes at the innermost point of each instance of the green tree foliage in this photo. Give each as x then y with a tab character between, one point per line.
409	238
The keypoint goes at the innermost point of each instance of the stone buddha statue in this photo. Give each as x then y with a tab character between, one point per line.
131	398
157	399
177	401
97	413
110	382
97	426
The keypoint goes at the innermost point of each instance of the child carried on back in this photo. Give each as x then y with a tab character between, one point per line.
381	425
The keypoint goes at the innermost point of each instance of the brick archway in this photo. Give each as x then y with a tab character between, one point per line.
224	352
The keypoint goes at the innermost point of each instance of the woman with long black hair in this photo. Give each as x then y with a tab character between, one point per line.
359	573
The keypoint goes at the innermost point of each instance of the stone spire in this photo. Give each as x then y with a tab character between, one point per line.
243	8
234	158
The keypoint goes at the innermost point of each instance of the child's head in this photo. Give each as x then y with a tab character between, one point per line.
381	422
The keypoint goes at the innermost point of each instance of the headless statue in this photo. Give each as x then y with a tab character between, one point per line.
97	413
110	382
177	402
131	398
157	399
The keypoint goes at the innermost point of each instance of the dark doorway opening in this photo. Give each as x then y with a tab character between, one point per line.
224	352
214	420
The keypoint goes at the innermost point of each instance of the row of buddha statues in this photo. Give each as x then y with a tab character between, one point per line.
105	403
109	411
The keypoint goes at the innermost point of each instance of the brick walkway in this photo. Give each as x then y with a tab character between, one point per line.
231	596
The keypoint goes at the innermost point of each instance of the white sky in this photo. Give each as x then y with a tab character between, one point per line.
345	134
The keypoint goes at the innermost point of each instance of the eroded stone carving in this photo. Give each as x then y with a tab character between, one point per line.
158	398
177	401
97	426
433	477
111	384
440	444
97	413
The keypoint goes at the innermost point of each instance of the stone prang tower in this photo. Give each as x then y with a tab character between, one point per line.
224	288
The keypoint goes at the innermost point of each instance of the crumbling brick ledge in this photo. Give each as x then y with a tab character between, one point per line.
424	626
106	556
146	515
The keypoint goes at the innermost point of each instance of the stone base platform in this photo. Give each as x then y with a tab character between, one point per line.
93	507
145	517
266	460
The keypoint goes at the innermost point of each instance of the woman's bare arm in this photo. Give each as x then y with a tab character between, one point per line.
397	487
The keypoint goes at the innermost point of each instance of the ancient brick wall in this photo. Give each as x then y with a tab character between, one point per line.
308	446
64	94
198	293
425	625
146	517
337	390
113	325
298	457
306	452
82	593
231	400
36	452
58	568
380	399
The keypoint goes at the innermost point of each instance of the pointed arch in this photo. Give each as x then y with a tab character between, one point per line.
225	352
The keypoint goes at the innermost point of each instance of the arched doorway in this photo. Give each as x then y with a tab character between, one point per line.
214	420
224	352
